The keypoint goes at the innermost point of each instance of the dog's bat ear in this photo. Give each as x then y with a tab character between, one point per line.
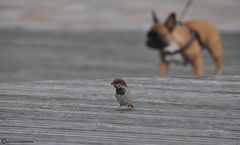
154	16
171	21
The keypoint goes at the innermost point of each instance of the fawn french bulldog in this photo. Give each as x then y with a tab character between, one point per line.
183	42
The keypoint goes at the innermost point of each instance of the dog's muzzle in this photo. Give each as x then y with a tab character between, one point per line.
156	45
155	41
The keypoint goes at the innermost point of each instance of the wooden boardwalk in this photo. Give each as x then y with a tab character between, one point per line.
47	55
169	111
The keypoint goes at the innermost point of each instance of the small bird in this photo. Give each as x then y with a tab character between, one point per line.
122	93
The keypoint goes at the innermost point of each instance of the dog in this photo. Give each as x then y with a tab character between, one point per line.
183	42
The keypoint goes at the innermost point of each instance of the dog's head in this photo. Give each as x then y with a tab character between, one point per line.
158	37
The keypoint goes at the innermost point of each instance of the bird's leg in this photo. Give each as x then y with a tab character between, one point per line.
130	107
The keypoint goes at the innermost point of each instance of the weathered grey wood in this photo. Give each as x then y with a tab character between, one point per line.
169	111
109	14
49	55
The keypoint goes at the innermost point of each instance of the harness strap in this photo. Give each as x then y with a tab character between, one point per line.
194	36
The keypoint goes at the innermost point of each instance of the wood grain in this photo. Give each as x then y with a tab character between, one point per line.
168	111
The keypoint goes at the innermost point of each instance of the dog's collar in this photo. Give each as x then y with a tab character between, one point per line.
194	36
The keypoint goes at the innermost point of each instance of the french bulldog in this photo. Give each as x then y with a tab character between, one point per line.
183	42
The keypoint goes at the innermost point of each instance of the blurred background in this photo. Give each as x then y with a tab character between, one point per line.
93	39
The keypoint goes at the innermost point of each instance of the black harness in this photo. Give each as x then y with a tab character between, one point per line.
194	36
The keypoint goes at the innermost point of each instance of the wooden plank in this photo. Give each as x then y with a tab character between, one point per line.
179	110
56	55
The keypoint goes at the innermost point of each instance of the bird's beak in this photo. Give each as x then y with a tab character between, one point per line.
112	83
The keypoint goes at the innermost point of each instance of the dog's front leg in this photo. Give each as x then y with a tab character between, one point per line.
163	68
163	65
197	66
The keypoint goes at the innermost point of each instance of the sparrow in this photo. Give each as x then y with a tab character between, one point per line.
122	93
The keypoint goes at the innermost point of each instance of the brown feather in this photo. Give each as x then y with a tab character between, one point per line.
119	81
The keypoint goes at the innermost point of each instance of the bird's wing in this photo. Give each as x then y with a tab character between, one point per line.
129	97
118	97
